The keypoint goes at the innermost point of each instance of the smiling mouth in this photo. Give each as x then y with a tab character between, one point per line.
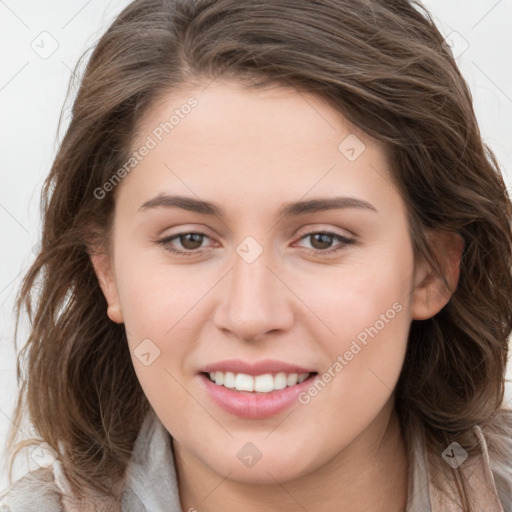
257	384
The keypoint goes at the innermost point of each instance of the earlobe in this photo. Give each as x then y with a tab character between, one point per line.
430	292
103	269
114	313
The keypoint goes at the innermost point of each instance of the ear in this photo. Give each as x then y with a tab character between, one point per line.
430	293
102	264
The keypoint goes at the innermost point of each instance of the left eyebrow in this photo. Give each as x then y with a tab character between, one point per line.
290	209
319	205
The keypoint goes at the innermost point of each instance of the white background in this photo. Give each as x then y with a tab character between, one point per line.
32	91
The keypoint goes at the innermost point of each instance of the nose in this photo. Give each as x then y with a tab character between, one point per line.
255	300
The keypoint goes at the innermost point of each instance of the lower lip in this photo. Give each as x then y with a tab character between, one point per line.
254	405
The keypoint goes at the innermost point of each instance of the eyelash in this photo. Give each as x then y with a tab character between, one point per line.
345	241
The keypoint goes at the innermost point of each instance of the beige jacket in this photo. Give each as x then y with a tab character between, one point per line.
151	483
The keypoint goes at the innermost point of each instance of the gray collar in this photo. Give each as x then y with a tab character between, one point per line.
151	484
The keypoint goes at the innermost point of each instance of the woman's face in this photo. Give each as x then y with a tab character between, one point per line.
327	289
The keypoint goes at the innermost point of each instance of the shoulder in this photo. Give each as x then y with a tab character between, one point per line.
34	492
497	438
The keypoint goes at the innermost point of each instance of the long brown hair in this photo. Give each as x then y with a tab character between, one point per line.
383	65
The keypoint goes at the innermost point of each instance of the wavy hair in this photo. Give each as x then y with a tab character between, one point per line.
384	66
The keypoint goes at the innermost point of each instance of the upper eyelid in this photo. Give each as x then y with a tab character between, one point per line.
316	228
313	231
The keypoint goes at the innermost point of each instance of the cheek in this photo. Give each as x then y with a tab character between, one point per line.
353	298
157	302
161	328
156	298
367	310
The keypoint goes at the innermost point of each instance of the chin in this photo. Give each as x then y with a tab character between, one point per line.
264	474
267	470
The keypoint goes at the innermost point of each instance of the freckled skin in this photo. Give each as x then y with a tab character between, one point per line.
251	151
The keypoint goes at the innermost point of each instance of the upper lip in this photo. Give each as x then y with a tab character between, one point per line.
254	368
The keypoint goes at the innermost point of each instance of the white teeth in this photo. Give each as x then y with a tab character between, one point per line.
291	380
280	381
261	383
264	383
243	382
229	380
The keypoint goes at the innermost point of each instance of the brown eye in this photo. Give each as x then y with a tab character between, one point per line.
321	240
191	241
184	244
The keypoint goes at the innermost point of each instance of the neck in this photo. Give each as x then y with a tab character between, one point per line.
370	474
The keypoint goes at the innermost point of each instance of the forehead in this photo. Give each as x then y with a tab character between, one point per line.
226	112
254	142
